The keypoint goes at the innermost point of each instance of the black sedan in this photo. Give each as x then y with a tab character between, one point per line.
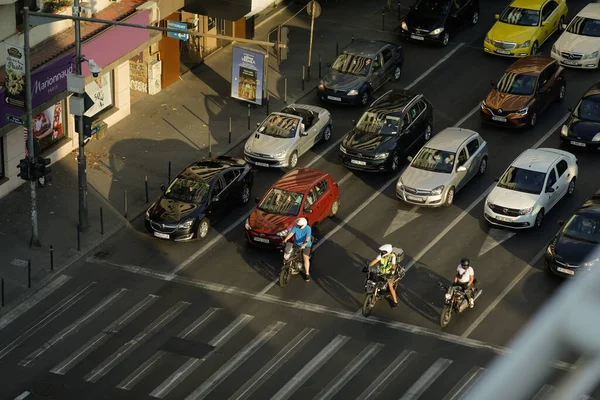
570	251
582	128
437	20
362	67
389	129
199	196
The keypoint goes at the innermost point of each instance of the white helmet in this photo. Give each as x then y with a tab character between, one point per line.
386	248
302	222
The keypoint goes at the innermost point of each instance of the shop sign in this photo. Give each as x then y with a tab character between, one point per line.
100	91
247	75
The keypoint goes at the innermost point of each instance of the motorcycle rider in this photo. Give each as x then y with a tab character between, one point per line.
302	234
387	260
465	276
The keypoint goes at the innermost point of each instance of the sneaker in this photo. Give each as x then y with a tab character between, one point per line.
471	303
394	305
307	278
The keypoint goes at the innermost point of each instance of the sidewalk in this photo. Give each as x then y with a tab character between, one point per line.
175	125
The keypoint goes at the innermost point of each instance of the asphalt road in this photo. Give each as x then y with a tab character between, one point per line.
322	317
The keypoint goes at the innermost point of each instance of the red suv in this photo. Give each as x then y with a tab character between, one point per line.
302	192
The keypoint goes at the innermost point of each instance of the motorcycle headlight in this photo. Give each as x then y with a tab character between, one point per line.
321	85
447	296
381	156
596	137
404	26
343	149
187	224
436	32
280	154
565	130
523	111
438	190
487	39
524	45
590	56
526	211
283	233
353	92
247	224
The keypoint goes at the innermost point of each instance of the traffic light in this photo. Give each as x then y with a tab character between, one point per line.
41	171
24	167
87	126
283	51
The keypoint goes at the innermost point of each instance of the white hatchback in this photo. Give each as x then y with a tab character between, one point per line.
530	187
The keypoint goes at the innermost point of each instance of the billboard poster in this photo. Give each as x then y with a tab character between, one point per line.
48	126
15	76
247	74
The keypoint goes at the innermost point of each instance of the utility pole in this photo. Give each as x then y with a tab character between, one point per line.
313	5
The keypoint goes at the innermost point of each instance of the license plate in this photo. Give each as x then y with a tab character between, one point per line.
417	37
262	240
570	62
504	219
358	162
334	98
261	164
162	235
565	271
499	119
415	198
574	143
502	51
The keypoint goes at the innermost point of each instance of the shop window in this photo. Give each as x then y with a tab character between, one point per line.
101	92
49	126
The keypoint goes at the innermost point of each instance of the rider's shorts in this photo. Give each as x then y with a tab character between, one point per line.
306	251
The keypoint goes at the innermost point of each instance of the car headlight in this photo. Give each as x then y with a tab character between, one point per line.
381	156
565	130
590	56
489	204
596	137
404	26
353	92
399	186
148	212
280	154
187	224
524	45
523	111
438	190
283	233
549	250
525	211
436	32
321	85
487	39
343	149
247	224
483	105
247	147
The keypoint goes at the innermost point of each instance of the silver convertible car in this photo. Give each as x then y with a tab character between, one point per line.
442	167
284	136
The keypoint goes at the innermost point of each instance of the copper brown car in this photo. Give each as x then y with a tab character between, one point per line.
527	88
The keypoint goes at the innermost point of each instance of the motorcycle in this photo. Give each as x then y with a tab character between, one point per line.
455	300
376	285
293	262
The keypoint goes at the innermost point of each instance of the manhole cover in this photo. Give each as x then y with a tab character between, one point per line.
48	389
102	254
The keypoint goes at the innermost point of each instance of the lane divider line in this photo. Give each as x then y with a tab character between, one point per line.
434	66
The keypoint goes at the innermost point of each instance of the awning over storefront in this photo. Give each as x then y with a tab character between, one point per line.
231	10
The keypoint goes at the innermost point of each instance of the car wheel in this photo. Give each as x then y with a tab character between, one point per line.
397	74
562	91
293	161
327	133
539	219
534	49
364	99
560	23
533	119
334	208
445	39
203	228
571	187
449	197
482	166
427	134
475	18
395	166
245	194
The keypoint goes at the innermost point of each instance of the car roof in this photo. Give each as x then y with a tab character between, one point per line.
450	139
299	179
393	101
207	169
593	91
365	48
530	65
538	160
528	4
592	10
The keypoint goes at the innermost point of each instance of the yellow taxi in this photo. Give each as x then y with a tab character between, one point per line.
524	26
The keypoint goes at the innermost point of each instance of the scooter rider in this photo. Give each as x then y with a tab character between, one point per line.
387	260
465	277
303	238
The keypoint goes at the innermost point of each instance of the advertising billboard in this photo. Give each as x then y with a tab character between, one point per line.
247	73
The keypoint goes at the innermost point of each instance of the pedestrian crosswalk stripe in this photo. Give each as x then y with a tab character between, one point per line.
274	364
146	367
465	383
134	343
384	378
192	363
427	379
74	327
348	373
79	354
233	363
48	317
309	369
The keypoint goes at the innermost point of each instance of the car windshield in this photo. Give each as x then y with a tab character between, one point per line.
585	26
433	6
521	85
351	64
583	228
520	16
281	126
588	109
188	190
434	160
522	180
281	202
371	122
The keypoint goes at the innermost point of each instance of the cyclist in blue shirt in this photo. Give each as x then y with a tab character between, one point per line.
302	237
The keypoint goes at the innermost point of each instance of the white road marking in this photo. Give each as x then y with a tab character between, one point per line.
349	372
33	300
116	357
193	363
48	317
465	383
427	379
22	395
466	117
75	326
402	218
544	392
233	363
495	237
390	372
345	178
145	368
100	338
273	366
310	368
434	66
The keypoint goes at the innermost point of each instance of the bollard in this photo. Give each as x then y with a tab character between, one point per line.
101	222
146	184
125	201
29	274
2	290
209	145
303	72
169	181
319	65
51	258
78	238
383	20
353	38
248	116
230	130
337	49
285	90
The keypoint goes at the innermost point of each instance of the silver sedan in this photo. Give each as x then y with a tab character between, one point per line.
284	136
442	167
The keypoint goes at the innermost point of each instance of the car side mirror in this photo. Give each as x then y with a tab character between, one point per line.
561	222
257	124
550	190
215	199
462	168
303	133
496	179
497	16
543	23
564	26
409	158
163	188
257	200
308	211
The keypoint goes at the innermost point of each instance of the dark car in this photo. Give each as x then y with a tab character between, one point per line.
361	68
569	252
438	20
387	131
199	196
527	88
582	128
